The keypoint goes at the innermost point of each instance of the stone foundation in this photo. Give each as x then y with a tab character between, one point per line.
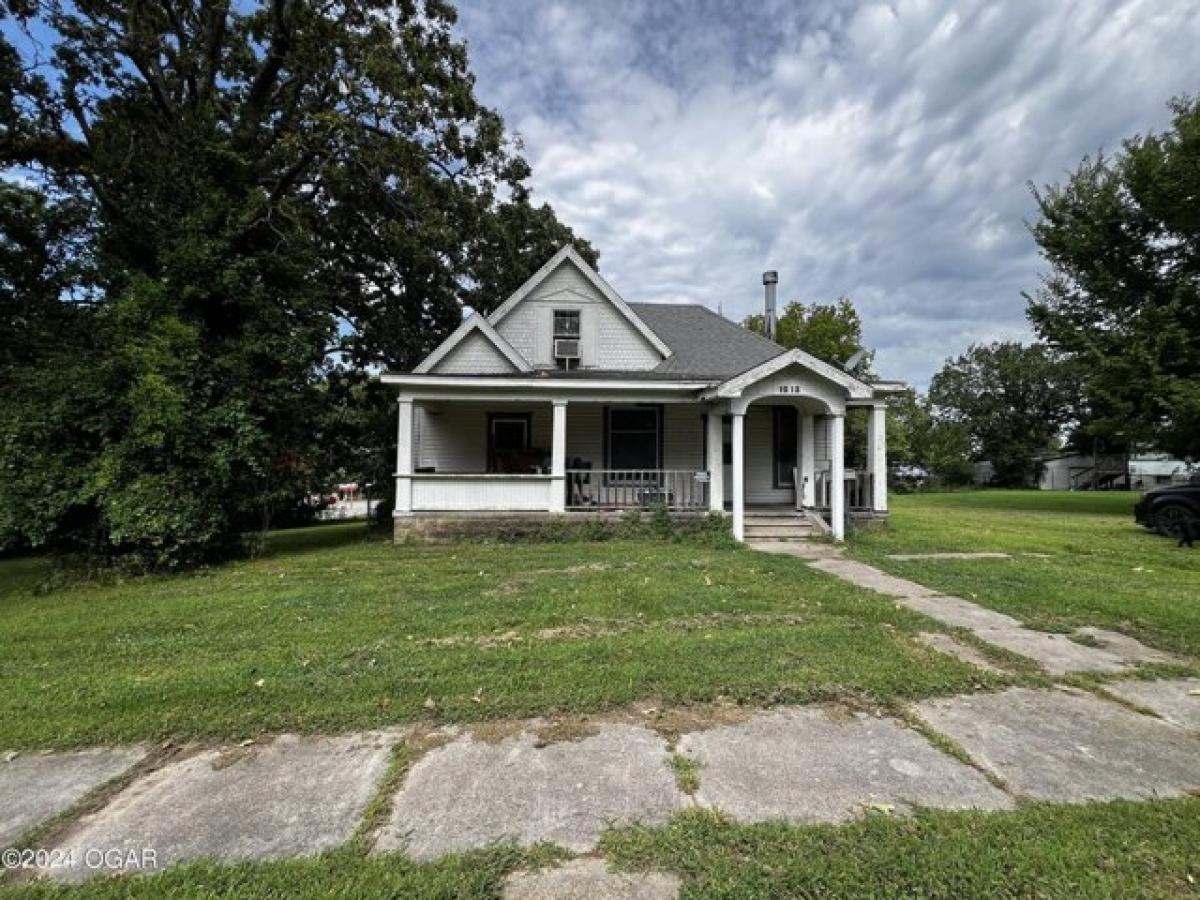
445	527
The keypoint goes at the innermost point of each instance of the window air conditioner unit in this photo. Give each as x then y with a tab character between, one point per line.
566	348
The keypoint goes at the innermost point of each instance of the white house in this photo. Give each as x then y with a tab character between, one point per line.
568	400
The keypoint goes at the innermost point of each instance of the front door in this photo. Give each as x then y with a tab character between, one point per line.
783	447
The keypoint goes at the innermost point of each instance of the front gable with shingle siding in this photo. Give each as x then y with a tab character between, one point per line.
609	340
475	348
519	335
476	355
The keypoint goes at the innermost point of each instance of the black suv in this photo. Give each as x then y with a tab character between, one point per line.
1166	508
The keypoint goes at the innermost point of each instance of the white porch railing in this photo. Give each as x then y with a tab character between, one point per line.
857	489
449	492
678	489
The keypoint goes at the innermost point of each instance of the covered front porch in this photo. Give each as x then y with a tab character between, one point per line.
577	452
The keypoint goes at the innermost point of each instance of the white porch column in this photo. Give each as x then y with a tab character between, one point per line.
739	476
715	462
808	458
404	457
837	476
558	458
877	456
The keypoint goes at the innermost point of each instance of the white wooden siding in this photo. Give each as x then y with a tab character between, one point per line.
433	493
683	437
608	339
585	433
452	437
476	355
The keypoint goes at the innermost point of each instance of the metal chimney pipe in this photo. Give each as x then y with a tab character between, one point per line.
770	279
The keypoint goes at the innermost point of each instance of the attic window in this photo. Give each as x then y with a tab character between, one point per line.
566	338
566	323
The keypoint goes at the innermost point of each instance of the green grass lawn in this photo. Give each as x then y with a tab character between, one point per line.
1101	850
330	632
1101	568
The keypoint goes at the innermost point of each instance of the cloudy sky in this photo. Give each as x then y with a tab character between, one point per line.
878	150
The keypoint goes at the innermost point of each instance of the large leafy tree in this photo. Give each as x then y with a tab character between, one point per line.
1012	400
45	271
829	331
1122	297
227	203
832	332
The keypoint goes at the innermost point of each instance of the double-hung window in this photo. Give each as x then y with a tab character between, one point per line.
566	323
634	440
566	338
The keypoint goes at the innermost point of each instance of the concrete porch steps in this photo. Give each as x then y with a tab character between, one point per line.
780	532
778	525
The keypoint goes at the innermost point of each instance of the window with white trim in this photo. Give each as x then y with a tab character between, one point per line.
634	437
567	335
508	442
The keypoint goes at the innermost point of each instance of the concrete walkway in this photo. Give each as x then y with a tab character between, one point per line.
472	793
1086	650
288	797
534	781
292	796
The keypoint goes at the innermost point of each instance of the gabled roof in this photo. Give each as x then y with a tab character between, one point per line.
569	254
855	388
703	344
698	346
475	323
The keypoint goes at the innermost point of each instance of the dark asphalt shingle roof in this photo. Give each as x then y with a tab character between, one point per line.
703	345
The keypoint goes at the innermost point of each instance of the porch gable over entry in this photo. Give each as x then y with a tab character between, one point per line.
821	395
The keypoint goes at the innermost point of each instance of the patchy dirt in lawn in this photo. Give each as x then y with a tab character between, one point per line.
670	722
613	628
553	730
514	584
674	721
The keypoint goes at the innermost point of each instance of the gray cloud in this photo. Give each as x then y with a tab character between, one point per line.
879	150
